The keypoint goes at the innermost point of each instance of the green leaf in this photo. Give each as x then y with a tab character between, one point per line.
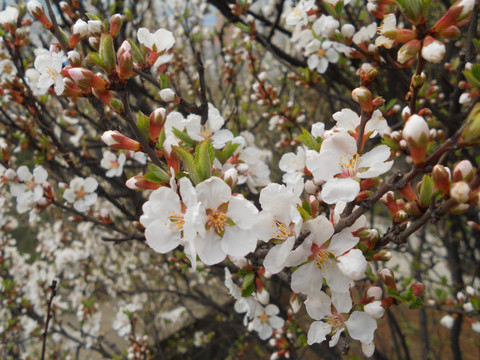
416	304
93	16
204	159
303	213
227	152
161	140
159	173
138	57
188	163
94	58
309	141
184	137
426	191
476	71
143	124
339	7
165	81
248	285
471	78
107	53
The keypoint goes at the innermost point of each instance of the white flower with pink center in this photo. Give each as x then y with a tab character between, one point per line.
325	255
112	163
81	193
266	320
50	65
340	166
228	222
349	120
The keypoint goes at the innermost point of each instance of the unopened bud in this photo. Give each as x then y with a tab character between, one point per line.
348	30
86	79
408	193
157	119
363	96
370	235
386	275
416	133
80	28
460	192
295	303
168	95
116	22
116	140
138	182
459	209
125	61
231	177
95	27
35	8
433	50
412	209
441	178
408	51
452	32
74	58
458	12
400	216
374	292
400	35
418	288
463	171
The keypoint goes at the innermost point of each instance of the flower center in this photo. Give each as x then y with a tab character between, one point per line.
335	322
264	318
52	74
206	132
217	220
349	165
321	53
281	231
176	221
325	259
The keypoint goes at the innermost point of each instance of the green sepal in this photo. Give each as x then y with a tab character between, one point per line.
93	58
227	152
93	16
471	78
161	140
188	163
143	124
107	53
165	81
248	286
303	213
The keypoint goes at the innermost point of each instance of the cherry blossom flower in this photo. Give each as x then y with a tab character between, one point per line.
349	120
49	66
170	221
322	255
30	190
242	304
112	163
323	53
211	130
122	323
266	320
388	24
279	221
298	15
339	164
7	70
293	165
81	193
9	15
160	40
229	222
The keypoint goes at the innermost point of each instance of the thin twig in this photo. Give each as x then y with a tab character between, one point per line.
53	289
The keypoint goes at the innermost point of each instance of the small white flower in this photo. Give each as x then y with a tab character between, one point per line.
266	320
7	70
81	193
80	28
112	163
447	321
433	51
9	15
389	23
49	67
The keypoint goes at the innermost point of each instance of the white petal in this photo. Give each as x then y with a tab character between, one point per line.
353	264
307	279
160	237
209	248
361	327
318	305
242	212
318	332
342	242
275	259
238	242
213	192
335	190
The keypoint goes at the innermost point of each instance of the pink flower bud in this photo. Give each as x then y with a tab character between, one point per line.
460	192
433	50
463	171
441	178
408	51
74	58
35	8
231	177
374	292
363	96
387	277
116	22
86	79
116	140
157	119
418	288
125	61
138	182
80	28
416	134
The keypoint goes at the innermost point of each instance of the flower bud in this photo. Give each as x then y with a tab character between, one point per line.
418	288
125	61
157	119
408	193
470	290
412	209
447	321
458	12
86	79
416	134
74	58
401	35
116	22
116	140
433	50
459	209
408	51
363	96
295	303
310	187
35	8
374	292
370	235
80	28
95	27
452	32
138	182
386	275
471	132
368	73
468	307
348	30
460	192
441	178
231	177
374	309
400	216
168	95
463	171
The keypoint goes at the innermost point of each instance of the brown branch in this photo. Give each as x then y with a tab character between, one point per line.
53	289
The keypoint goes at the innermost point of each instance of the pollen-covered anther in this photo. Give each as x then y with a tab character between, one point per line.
176	221
264	318
216	220
282	231
325	258
349	165
335	322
